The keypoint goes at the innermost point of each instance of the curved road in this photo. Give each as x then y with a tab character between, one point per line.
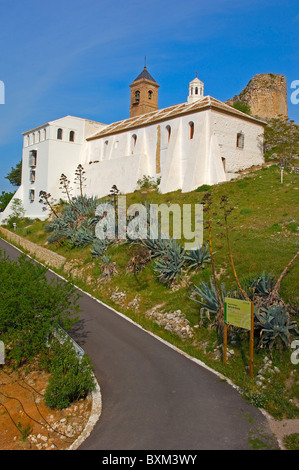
153	397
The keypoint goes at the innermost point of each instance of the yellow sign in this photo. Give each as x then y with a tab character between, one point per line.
238	313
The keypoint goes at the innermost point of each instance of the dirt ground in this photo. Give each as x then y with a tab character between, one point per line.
26	422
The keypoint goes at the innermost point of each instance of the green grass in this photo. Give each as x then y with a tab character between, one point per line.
291	442
264	237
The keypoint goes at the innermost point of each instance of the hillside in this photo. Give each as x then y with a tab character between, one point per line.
263	231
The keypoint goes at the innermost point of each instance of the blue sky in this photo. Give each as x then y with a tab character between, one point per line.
73	57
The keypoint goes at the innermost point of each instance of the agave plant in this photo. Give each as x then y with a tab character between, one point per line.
275	326
207	295
197	258
263	284
169	266
98	248
82	237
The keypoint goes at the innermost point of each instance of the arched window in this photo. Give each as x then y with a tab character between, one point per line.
59	134
196	90
150	94
191	129
72	136
137	96
240	140
168	133
38	134
106	143
133	142
45	134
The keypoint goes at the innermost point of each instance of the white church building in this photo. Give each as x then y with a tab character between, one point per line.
201	141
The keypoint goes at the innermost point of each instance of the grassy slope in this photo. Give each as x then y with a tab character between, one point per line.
264	236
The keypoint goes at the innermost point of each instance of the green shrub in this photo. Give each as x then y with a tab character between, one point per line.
72	378
31	307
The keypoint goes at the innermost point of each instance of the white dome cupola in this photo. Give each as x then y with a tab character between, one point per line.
196	90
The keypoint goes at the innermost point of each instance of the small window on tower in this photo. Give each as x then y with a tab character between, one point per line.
31	195
137	96
196	91
150	94
59	134
72	136
32	176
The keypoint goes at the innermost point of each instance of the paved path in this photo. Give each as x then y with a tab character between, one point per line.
155	398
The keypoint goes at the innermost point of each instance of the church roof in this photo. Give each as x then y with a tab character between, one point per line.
207	102
145	74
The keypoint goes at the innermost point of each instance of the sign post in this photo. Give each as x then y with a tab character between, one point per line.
239	313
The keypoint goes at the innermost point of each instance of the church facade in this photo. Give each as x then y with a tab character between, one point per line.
201	141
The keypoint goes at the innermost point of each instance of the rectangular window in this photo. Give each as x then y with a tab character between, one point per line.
32	176
31	195
240	140
32	158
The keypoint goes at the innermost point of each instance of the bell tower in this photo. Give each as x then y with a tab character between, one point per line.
144	94
196	90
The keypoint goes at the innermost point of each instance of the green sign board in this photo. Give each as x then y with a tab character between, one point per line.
238	313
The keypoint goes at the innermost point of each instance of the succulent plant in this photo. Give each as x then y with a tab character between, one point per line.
169	266
197	258
98	248
275	326
263	284
82	237
207	296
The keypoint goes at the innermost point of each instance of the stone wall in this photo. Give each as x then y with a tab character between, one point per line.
266	95
47	257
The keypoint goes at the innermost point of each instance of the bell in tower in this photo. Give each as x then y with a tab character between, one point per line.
144	94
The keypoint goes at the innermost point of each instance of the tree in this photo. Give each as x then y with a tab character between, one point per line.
5	199
15	175
241	106
17	209
281	140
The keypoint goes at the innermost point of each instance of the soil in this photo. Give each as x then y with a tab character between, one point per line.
26	422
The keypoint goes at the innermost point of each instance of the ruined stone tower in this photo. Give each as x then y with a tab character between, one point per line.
266	95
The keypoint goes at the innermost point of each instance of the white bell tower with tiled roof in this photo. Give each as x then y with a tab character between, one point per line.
196	90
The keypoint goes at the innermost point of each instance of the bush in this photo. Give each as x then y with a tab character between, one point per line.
31	307
72	378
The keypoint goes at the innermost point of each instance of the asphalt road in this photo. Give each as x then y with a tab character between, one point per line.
153	397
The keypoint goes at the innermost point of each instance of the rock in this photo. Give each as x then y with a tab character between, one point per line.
266	95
